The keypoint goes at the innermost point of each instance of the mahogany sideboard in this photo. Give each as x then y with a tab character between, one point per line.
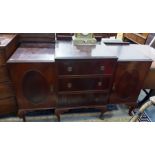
63	76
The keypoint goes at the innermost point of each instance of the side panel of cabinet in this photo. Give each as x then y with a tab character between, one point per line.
129	79
34	84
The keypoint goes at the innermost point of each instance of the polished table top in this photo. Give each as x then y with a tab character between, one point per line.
67	50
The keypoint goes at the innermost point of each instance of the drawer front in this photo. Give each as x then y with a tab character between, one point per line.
82	99
8	105
84	67
2	58
4	74
80	84
6	90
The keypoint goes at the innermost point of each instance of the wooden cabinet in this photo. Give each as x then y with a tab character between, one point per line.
65	76
34	79
34	85
83	83
128	81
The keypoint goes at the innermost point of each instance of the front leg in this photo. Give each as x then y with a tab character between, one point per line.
131	108
103	110
21	114
57	113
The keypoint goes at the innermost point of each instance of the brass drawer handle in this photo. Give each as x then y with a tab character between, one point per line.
99	84
102	68
69	85
69	69
51	89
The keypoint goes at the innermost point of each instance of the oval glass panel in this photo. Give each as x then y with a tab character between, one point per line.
35	87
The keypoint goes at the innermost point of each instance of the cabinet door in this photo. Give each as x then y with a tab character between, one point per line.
34	84
128	81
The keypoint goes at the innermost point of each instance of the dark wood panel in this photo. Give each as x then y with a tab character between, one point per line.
83	99
8	48
80	84
128	81
28	79
36	37
12	46
76	67
4	76
7	100
6	90
2	57
8	105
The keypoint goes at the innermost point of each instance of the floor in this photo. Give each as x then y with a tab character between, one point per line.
119	114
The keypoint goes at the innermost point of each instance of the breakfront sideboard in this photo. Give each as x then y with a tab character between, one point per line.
63	76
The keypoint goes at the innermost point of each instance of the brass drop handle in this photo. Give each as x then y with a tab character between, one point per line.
69	85
102	68
113	88
100	84
69	69
51	89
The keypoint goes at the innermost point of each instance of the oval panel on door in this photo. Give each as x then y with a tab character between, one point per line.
127	84
35	87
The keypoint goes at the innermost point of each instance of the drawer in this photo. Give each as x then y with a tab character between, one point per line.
6	90
83	99
81	84
8	105
4	74
78	67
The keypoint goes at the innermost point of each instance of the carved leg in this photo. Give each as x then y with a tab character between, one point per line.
103	110
57	113
131	108
22	114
